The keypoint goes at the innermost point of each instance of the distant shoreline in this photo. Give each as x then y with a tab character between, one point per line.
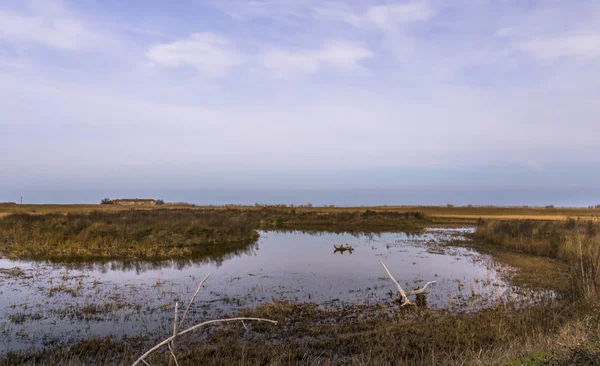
467	214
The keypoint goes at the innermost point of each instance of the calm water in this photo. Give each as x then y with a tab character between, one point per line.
43	302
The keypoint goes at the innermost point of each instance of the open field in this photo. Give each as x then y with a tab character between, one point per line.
466	214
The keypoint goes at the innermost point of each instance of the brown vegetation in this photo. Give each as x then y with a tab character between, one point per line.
126	234
171	233
442	214
574	242
360	335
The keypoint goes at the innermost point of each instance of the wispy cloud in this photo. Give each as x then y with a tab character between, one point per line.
576	45
48	24
334	54
391	16
211	54
273	9
386	17
367	83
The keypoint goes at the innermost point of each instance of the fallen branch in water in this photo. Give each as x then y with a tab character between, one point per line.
170	342
419	291
403	294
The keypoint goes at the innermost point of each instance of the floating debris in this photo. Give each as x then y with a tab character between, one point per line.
343	248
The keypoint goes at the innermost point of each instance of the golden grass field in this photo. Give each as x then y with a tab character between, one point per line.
440	214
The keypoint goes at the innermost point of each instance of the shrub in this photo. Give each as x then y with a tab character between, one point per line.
106	201
160	202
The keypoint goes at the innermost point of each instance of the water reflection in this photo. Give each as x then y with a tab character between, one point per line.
141	266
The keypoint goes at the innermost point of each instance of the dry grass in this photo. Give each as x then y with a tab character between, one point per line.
360	335
154	234
466	214
174	233
573	242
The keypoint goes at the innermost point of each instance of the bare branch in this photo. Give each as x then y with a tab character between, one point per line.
175	320
191	301
175	329
404	294
421	290
197	326
405	300
174	357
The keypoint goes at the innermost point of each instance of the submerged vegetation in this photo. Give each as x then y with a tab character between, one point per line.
173	233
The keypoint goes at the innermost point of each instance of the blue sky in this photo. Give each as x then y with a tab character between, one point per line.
299	93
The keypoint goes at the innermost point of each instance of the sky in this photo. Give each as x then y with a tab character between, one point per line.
299	94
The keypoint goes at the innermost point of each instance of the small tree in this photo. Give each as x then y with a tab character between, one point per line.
106	201
160	202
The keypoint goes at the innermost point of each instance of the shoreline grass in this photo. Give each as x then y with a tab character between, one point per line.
573	242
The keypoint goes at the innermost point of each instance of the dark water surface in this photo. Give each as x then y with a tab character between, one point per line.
42	303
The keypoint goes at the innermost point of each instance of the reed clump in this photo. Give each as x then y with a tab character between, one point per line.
125	235
572	241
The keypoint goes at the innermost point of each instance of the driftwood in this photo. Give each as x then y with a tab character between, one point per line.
170	342
342	248
404	294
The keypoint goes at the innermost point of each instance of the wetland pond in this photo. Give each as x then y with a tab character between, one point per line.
45	303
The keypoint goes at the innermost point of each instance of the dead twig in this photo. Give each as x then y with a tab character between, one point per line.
192	300
403	294
197	326
170	342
